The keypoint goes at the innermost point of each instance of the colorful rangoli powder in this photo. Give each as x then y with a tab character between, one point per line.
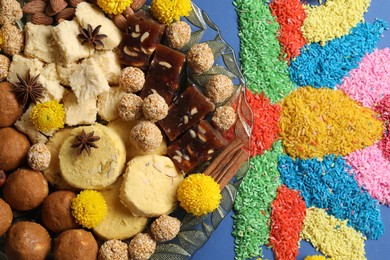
333	19
384	145
326	183
288	213
370	82
316	122
332	236
260	51
290	15
325	66
383	106
265	122
253	204
372	171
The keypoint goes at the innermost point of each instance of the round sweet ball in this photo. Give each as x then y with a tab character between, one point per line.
75	244
27	240
200	58
10	110
146	136
13	39
130	107
57	213
5	217
4	67
219	88
178	34
154	107
165	228
38	157
224	117
13	148
25	189
113	249
132	79
142	247
10	11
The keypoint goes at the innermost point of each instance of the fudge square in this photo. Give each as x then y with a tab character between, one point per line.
187	110
140	41
198	145
164	74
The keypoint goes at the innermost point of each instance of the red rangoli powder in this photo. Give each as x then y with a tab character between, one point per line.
290	15
265	129
288	214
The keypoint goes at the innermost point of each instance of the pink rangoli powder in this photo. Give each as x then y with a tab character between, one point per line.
370	82
372	171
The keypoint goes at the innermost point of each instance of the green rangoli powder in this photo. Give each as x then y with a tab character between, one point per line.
260	50
253	203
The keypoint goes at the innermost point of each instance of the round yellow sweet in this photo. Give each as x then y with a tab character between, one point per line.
98	170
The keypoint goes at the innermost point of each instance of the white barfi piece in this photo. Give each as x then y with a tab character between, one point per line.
90	14
88	81
69	46
65	71
40	43
51	82
26	126
108	103
108	61
20	65
79	113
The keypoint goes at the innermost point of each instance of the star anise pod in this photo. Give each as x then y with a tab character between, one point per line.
91	36
85	142
28	90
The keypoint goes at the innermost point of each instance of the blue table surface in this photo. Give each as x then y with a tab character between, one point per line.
221	243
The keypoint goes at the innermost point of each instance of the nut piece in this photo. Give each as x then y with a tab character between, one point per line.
142	247
41	19
200	58
219	88
38	157
137	4
224	117
127	12
178	34
132	79
66	14
130	107
74	3
120	22
58	5
154	107
33	7
146	136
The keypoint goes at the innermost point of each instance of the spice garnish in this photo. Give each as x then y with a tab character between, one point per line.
91	36
85	142
28	90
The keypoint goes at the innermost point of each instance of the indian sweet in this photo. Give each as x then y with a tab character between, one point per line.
5	217
13	148
75	244
25	189
27	240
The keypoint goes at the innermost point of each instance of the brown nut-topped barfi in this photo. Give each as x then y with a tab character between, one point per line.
164	74
185	112
140	41
196	146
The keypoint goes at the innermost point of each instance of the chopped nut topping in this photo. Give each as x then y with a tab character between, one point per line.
144	36
193	134
165	64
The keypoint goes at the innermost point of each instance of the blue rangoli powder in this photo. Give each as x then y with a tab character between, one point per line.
325	66
327	183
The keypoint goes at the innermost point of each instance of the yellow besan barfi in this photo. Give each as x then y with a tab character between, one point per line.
119	223
150	185
98	170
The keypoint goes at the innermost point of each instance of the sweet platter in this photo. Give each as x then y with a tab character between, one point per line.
221	244
80	84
